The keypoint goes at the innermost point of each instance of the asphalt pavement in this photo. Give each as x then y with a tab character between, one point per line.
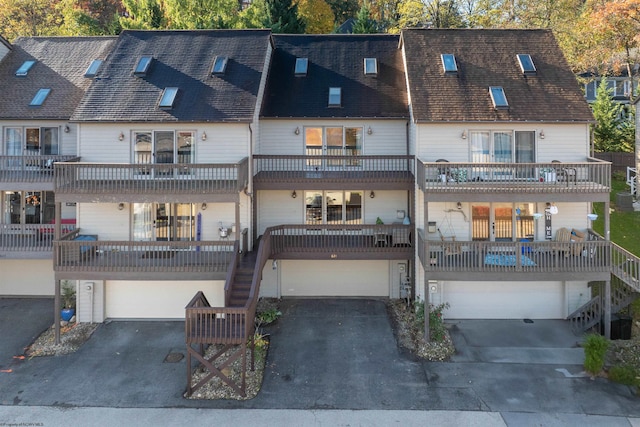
330	362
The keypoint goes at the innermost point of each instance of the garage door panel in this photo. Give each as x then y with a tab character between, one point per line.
504	300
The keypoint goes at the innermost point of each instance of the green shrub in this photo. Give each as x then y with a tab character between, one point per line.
595	350
268	316
625	374
437	331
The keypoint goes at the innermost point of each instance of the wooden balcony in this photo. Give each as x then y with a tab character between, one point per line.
278	172
32	173
543	260
582	181
126	260
27	241
153	182
351	242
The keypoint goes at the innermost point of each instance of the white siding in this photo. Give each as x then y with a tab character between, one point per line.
451	222
157	300
109	223
67	141
564	142
225	143
387	136
334	278
278	207
26	277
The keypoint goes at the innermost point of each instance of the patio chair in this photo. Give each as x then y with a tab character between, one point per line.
450	249
565	174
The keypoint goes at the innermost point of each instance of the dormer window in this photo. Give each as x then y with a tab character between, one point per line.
498	97
302	65
219	65
449	63
526	64
168	97
40	97
93	68
24	68
144	63
370	67
335	97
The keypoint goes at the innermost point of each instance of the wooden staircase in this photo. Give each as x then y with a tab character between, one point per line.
241	282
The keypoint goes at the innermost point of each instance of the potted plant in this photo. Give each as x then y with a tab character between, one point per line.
68	293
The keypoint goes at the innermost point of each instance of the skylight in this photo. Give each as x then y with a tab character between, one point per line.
370	66
449	63
526	63
335	96
93	68
302	65
219	65
143	65
24	68
168	97
40	97
498	97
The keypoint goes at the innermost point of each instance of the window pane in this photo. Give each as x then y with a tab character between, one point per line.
479	141
353	144
335	98
186	147
334	207
50	141
313	207
449	63
353	207
33	141
163	146
301	66
142	147
502	149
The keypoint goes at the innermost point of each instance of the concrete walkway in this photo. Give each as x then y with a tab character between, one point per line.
331	362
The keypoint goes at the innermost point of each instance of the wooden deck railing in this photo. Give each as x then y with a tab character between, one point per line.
355	169
150	178
576	177
351	241
28	237
126	256
30	169
526	257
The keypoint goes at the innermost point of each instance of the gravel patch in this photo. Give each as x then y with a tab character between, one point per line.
72	336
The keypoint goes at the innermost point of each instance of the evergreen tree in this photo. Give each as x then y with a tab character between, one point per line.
283	17
611	131
364	24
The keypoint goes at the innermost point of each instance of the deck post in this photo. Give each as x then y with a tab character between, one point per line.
56	311
426	309
607	309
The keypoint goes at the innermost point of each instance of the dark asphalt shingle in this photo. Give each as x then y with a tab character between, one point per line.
488	58
61	64
336	61
182	59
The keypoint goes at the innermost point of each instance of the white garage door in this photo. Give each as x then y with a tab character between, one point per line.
504	300
334	278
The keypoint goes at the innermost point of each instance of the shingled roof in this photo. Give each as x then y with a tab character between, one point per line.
336	61
488	58
60	65
181	59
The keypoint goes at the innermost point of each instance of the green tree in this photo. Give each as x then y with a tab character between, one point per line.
203	14
343	10
28	18
317	15
611	130
283	17
99	17
143	15
254	16
364	23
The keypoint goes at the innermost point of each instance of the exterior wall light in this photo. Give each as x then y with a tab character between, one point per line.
294	194
297	131
121	136
203	136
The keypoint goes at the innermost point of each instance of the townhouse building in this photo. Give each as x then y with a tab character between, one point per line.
448	165
43	80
